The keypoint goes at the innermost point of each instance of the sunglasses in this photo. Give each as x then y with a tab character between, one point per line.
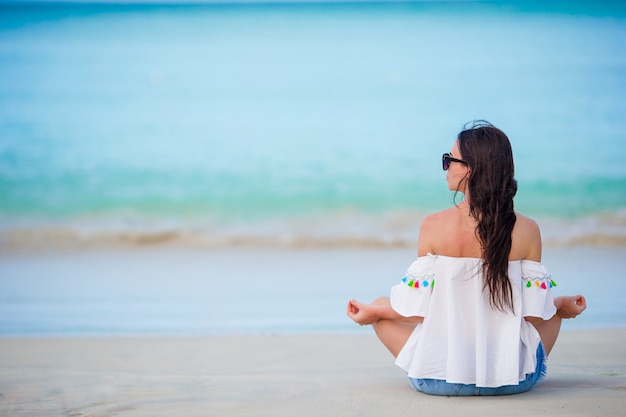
446	159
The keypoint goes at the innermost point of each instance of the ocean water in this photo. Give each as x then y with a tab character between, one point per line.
287	124
301	124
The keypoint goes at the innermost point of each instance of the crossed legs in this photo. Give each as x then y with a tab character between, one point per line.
392	333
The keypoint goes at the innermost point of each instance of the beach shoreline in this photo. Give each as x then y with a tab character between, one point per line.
281	375
164	331
161	290
334	231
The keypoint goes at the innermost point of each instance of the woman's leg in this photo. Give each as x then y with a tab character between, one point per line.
568	307
549	331
393	333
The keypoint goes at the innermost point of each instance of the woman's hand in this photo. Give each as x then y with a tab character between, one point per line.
570	306
363	313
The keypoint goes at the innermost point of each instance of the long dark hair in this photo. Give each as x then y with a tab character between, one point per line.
491	186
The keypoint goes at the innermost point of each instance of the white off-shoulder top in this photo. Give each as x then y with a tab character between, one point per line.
463	339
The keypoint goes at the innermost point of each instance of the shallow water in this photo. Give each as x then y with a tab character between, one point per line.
198	292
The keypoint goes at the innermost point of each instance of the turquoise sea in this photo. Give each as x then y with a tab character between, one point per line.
301	123
283	124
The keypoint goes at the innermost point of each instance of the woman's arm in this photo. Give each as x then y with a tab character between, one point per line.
567	307
570	306
527	245
380	309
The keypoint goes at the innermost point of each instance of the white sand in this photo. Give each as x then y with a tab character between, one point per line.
285	375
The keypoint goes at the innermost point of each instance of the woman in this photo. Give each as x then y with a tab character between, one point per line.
488	324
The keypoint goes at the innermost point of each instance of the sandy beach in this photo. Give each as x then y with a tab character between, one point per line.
193	332
281	375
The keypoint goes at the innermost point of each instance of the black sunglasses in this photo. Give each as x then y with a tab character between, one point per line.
446	159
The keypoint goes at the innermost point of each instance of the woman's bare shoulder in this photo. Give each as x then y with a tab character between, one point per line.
526	239
440	216
526	224
436	220
432	230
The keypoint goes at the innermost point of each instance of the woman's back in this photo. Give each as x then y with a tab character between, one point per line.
452	232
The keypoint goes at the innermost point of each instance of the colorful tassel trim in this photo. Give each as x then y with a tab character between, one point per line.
416	282
541	282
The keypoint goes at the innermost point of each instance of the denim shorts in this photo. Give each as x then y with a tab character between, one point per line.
441	387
